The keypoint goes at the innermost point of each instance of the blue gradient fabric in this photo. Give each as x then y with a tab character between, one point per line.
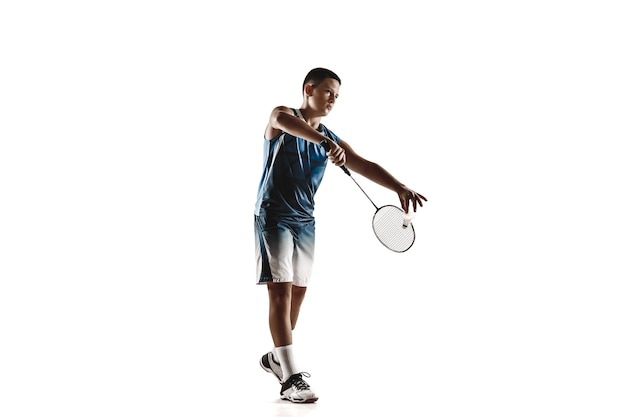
292	172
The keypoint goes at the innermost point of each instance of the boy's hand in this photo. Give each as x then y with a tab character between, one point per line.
336	154
407	196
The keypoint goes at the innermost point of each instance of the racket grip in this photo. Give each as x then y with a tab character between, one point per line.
324	143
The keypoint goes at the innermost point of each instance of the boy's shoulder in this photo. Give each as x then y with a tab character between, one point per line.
284	109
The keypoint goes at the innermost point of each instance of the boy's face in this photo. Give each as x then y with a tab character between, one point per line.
322	97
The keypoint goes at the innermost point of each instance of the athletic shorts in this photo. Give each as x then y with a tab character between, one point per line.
284	251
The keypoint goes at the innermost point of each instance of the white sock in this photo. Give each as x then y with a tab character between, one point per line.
286	357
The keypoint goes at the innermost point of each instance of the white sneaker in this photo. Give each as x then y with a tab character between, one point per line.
271	365
296	390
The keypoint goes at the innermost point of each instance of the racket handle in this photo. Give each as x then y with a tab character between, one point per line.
326	147
324	144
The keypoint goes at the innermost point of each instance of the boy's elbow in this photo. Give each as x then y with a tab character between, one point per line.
280	119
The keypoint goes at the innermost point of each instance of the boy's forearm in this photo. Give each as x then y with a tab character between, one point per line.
380	176
297	127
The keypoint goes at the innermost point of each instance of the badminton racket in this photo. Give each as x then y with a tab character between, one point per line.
391	225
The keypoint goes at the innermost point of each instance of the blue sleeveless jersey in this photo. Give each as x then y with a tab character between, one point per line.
292	173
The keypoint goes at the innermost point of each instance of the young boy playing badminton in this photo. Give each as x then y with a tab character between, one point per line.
284	223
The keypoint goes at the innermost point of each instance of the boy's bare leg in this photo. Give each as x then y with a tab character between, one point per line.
280	312
297	296
285	301
280	300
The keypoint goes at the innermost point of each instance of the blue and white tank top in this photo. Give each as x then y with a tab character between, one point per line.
292	173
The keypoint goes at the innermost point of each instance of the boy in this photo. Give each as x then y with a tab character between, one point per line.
284	223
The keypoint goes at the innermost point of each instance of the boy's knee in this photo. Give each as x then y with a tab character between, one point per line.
279	294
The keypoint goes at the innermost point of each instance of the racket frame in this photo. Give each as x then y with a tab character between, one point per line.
326	146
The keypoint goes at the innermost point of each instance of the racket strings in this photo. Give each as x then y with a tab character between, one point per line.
389	229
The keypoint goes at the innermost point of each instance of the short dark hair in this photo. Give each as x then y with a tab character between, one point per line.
317	75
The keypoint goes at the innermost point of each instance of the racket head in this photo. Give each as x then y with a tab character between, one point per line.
388	225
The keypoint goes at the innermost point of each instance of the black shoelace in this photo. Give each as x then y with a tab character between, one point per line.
299	383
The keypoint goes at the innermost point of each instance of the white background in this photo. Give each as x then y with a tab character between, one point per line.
131	143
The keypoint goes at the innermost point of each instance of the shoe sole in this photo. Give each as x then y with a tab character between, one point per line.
307	401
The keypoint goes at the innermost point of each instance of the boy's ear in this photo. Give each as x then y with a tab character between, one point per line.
308	90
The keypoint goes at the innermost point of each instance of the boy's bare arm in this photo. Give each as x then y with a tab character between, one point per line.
283	120
381	176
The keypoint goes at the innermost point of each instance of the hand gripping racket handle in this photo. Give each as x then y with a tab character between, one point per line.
326	147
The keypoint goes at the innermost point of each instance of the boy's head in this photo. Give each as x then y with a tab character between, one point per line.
317	75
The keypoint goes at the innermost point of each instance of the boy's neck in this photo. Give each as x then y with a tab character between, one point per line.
312	120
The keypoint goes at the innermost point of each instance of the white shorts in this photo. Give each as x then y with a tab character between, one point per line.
284	251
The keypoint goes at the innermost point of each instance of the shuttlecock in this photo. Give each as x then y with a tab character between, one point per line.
408	217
